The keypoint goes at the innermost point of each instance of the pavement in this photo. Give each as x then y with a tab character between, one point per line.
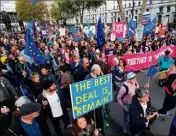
158	128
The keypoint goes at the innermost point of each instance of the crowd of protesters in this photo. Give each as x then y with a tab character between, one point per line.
46	86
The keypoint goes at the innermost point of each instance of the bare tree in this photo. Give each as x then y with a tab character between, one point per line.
144	4
121	10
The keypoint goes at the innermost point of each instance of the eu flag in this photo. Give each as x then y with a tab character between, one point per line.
32	50
131	28
100	33
150	26
152	71
32	28
34	1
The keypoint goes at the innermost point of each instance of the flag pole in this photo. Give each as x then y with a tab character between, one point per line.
95	119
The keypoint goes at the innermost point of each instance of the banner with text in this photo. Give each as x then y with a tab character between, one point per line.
141	61
90	94
118	28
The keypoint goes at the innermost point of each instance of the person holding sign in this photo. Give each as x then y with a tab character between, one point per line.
82	126
97	113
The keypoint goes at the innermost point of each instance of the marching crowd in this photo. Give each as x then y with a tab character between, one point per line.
32	93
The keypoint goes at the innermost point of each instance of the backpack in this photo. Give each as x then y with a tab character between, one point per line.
127	90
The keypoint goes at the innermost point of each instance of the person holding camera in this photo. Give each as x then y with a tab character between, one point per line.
141	113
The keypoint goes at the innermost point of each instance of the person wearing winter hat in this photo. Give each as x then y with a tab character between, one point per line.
54	105
125	95
21	112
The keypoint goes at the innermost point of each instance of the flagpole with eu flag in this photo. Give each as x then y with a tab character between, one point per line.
150	26
131	28
100	34
32	50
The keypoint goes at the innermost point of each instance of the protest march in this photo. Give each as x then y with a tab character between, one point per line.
84	75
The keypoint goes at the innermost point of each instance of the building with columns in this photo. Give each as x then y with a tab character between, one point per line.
110	12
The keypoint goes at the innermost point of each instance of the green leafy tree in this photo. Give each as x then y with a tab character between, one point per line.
63	9
26	11
66	9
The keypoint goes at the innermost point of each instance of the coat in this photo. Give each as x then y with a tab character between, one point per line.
173	127
17	130
137	119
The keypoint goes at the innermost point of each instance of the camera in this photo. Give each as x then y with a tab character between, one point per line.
150	111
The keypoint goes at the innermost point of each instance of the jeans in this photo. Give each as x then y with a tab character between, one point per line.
125	117
56	122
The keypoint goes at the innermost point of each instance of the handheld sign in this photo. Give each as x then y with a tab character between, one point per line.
139	32
90	94
113	37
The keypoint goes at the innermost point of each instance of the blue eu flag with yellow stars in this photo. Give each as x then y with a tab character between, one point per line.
100	33
32	50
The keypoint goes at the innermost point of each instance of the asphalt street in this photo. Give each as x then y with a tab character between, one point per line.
158	128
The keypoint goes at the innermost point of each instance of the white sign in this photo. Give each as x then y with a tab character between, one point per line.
62	31
92	28
113	37
139	32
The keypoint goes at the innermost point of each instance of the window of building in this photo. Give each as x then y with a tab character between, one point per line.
126	19
113	7
126	12
125	5
100	9
134	4
105	20
136	17
129	5
150	2
168	9
161	9
118	19
139	3
105	8
147	10
105	14
136	11
114	18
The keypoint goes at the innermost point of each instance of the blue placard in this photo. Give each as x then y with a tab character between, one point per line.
146	18
74	30
90	94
